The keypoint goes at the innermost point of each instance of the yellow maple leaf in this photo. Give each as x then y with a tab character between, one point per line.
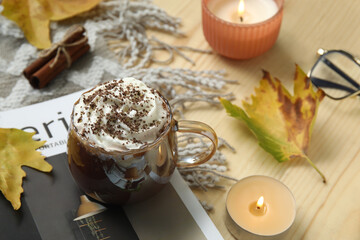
17	149
281	122
34	16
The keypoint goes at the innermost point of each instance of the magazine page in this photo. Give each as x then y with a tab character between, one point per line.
50	201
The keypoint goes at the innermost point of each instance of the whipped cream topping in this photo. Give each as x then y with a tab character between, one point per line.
121	115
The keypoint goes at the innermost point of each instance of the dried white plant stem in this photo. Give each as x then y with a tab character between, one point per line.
127	32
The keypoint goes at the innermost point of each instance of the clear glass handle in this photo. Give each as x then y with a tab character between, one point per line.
204	130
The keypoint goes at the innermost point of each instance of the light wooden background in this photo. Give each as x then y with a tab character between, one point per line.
324	211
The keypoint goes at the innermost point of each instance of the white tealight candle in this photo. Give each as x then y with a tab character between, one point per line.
254	11
261	205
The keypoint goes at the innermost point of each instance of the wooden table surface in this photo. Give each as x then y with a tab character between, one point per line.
324	211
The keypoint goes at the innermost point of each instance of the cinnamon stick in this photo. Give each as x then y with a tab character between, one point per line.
40	72
45	74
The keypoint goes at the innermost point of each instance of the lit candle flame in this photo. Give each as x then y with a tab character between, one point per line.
241	9
260	202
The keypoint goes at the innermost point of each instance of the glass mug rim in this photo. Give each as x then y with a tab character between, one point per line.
171	122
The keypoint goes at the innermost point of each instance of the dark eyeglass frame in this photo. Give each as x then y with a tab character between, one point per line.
322	83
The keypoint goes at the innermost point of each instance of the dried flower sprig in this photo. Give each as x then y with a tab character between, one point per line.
127	34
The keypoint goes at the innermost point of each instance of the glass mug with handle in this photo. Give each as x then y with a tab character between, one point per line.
122	144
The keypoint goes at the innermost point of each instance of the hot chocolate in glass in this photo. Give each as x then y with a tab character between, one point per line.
122	144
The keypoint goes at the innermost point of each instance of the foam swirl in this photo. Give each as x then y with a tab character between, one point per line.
121	114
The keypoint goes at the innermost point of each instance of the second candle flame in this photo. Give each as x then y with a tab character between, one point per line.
241	9
260	202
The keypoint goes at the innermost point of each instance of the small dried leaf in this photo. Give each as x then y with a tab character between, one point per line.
17	149
281	122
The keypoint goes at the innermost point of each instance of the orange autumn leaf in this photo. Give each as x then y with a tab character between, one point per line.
281	122
17	149
34	16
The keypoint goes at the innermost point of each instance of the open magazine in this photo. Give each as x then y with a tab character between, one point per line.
50	201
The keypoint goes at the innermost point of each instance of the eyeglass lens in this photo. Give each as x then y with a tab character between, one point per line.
337	74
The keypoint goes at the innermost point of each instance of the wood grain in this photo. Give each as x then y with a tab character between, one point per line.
324	211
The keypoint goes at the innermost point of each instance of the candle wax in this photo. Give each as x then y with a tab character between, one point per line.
255	10
280	205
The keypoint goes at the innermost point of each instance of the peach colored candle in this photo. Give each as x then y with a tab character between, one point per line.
261	205
241	29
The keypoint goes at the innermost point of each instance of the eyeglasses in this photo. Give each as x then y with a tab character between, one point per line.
337	73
